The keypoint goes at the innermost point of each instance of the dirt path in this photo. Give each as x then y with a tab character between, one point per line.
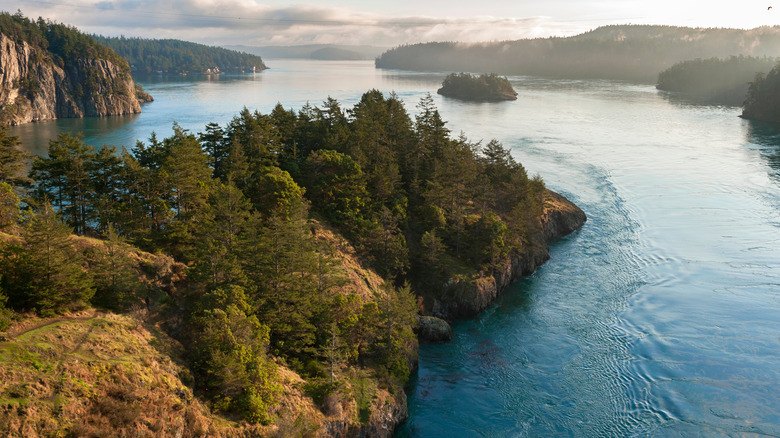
19	331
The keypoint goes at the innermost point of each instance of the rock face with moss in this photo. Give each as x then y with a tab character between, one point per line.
485	88
50	71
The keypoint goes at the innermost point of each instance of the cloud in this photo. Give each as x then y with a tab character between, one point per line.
250	23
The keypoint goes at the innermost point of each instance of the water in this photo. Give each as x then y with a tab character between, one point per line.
659	318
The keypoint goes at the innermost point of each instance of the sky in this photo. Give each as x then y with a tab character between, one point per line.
382	23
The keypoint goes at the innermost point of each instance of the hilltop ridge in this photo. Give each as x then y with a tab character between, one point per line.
621	52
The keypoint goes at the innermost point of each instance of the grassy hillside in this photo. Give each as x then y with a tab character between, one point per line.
89	372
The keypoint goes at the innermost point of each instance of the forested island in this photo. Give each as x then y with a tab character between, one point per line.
483	88
51	70
201	283
721	81
624	52
169	56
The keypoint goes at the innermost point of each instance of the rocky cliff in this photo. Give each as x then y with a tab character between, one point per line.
35	87
466	298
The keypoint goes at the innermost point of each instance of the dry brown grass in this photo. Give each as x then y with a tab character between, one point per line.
94	377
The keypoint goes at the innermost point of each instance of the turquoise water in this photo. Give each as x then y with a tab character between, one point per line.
661	317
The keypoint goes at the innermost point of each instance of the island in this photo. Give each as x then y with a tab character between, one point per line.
484	88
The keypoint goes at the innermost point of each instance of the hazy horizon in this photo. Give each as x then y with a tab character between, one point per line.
279	23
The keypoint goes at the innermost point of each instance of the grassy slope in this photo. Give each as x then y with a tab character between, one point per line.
103	374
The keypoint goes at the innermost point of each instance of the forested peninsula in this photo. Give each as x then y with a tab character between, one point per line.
623	52
50	70
265	277
483	88
722	81
176	57
763	97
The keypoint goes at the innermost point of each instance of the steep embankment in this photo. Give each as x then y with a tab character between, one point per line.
467	297
33	87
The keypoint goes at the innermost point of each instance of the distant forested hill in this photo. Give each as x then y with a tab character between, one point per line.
715	80
315	51
176	56
624	52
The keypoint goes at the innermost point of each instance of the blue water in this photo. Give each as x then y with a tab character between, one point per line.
661	317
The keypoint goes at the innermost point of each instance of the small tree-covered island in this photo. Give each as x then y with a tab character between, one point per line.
483	88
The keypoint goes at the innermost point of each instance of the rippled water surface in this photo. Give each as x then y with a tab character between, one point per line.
661	317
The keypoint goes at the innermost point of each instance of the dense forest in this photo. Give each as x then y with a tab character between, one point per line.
483	88
624	52
147	56
239	208
763	97
715	80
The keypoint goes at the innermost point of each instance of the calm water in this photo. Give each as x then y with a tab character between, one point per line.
661	317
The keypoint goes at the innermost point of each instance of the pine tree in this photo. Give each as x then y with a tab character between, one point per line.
116	280
62	178
46	273
13	160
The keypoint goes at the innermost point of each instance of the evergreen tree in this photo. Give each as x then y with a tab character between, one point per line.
13	160
230	355
116	281
63	179
9	206
46	273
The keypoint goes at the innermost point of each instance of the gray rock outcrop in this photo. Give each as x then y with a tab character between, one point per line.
33	87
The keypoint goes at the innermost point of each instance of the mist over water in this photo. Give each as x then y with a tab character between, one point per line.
658	318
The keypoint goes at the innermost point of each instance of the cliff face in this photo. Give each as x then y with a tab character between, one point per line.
34	88
466	298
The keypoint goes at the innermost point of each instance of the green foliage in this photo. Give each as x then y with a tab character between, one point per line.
486	87
229	356
761	102
45	273
176	56
418	205
116	281
9	206
65	43
5	314
337	183
63	179
715	80
273	190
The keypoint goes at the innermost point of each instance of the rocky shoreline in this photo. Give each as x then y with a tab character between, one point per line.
467	298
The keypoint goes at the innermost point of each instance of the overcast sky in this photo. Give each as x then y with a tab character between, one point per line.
382	23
